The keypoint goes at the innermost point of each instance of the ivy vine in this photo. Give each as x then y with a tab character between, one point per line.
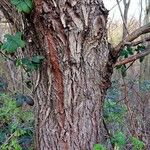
11	45
24	6
129	51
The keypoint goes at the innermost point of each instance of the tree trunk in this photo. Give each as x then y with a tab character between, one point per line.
72	83
69	95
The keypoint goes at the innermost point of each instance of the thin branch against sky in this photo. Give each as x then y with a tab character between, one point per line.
122	15
113	10
115	5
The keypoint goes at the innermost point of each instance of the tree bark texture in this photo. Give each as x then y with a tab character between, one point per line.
72	83
69	104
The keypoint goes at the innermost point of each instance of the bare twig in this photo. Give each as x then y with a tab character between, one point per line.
122	16
114	6
133	58
7	140
132	119
108	133
135	43
134	35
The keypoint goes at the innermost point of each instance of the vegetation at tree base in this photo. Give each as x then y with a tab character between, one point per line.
17	125
115	115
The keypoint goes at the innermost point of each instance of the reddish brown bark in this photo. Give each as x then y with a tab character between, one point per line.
58	77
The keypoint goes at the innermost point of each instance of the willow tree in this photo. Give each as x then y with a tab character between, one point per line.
71	85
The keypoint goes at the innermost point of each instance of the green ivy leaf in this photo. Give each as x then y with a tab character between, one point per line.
29	84
123	70
99	147
37	59
30	64
26	62
137	144
119	139
23	5
12	43
141	59
124	53
141	48
130	50
137	50
118	67
31	67
18	62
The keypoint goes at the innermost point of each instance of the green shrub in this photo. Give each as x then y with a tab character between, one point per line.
137	144
16	130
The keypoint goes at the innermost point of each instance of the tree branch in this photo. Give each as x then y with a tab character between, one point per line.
122	16
132	58
135	43
142	30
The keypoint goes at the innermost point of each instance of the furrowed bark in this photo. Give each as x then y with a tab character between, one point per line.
69	107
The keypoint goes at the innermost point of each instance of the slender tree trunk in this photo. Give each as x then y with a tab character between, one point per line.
72	83
125	15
